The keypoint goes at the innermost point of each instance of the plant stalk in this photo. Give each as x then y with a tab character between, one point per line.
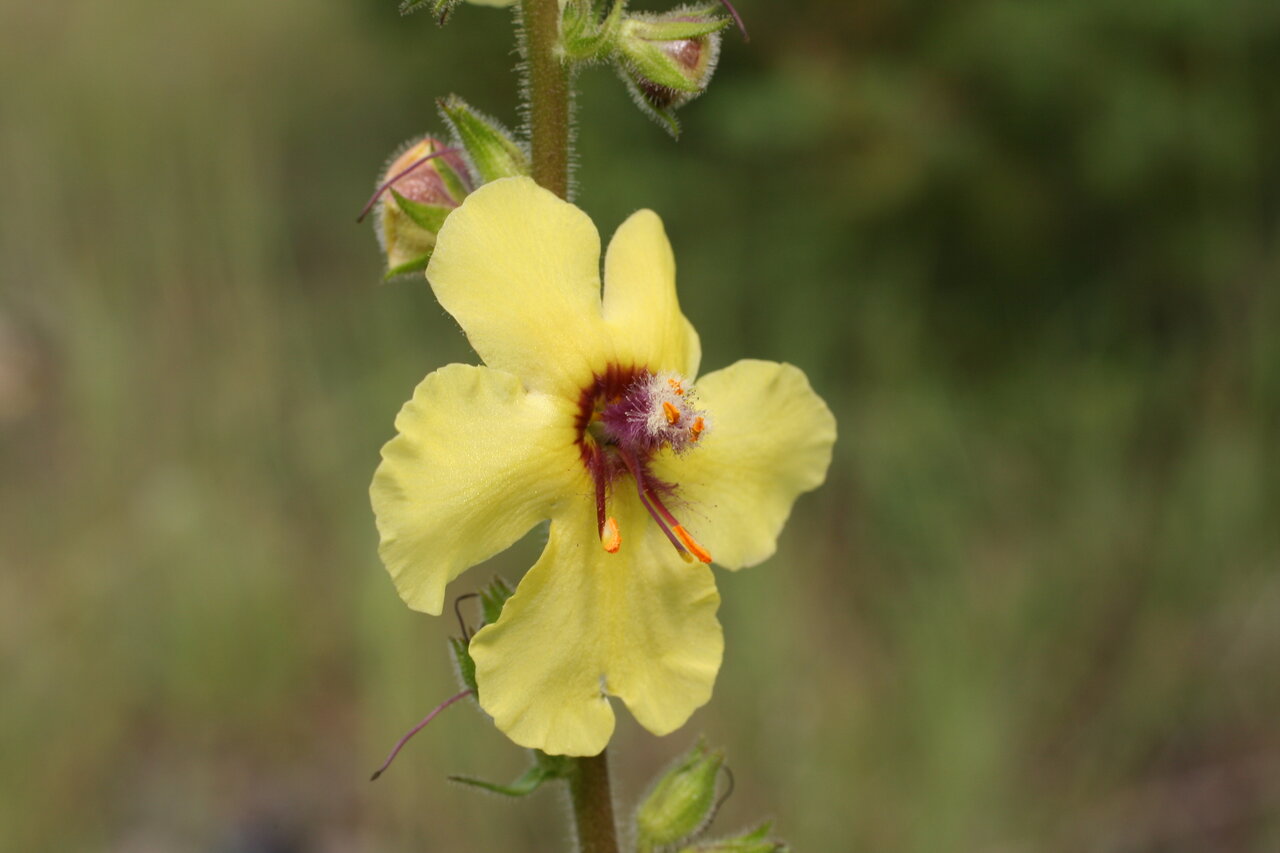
549	103
549	95
593	805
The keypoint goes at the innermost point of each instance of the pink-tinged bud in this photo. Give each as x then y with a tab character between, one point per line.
667	60
417	191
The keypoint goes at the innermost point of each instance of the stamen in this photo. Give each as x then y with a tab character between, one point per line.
667	523
696	430
646	496
672	413
675	385
611	538
596	465
662	525
678	529
692	544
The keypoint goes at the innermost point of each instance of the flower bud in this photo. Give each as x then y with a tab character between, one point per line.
682	800
491	149
667	60
756	841
416	193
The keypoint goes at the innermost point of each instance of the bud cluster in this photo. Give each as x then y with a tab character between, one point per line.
428	179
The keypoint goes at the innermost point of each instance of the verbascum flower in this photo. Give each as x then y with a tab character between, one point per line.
587	413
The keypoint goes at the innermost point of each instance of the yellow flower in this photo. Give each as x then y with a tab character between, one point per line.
587	414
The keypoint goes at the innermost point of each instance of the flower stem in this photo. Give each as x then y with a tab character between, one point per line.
593	805
549	103
548	93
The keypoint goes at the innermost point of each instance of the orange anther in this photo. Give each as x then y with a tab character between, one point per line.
676	386
611	537
672	413
696	430
692	544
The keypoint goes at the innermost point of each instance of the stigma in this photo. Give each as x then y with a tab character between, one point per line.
628	417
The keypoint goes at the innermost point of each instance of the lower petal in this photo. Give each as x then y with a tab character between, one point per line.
769	441
584	624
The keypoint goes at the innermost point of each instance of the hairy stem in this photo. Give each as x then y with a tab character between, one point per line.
550	99
593	805
548	93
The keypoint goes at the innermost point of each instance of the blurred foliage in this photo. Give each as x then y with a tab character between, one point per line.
1028	251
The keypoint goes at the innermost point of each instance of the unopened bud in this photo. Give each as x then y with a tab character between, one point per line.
683	799
492	150
667	60
756	841
417	191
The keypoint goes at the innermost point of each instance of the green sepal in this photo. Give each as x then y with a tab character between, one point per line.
756	841
586	39
648	61
452	180
673	30
491	149
429	217
416	265
668	120
439	9
546	768
492	597
462	659
664	116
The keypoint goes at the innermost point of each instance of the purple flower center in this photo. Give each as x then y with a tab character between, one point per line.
625	417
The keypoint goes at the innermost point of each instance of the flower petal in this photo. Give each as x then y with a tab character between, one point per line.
519	270
639	624
477	462
640	303
769	440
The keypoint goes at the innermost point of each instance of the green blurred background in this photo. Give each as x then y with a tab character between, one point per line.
1029	252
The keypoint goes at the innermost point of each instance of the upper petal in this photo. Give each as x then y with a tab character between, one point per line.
518	268
640	304
769	441
584	624
477	462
